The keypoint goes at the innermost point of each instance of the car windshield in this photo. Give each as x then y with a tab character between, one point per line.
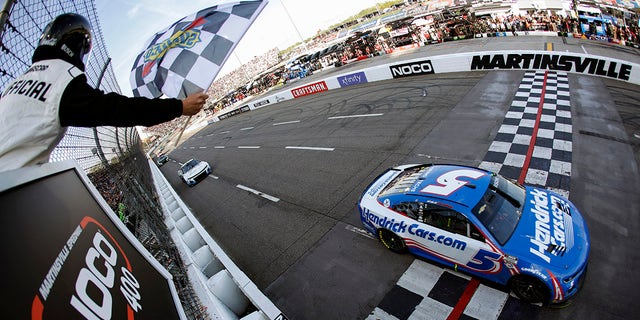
500	208
187	166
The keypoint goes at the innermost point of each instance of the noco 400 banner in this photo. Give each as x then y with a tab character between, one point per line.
63	257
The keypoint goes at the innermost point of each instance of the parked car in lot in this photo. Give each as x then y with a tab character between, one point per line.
194	171
531	239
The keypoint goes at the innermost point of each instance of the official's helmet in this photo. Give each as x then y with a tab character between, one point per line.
69	32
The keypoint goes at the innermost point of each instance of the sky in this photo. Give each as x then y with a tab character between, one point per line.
127	24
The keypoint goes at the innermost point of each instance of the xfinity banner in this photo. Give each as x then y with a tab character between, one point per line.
352	79
64	257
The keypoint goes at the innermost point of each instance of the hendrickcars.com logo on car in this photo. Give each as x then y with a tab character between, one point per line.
413	229
553	233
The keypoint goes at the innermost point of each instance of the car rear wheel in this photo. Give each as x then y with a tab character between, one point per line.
392	241
530	289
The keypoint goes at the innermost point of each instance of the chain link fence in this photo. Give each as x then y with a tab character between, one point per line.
112	157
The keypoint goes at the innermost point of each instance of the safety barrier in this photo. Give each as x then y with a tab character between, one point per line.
224	289
516	60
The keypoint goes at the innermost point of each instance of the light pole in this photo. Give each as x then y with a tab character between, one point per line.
292	23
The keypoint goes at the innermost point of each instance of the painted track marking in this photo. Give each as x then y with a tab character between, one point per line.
287	122
356	116
256	192
310	148
360	231
471	288
534	134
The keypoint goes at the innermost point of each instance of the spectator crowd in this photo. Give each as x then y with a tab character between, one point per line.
274	68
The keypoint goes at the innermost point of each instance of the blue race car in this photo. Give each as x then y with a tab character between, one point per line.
533	240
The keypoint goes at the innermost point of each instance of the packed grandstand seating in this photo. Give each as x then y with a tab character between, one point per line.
419	25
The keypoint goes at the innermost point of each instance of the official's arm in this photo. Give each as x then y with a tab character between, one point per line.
83	106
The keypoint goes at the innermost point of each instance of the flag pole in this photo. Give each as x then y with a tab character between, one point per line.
184	91
182	131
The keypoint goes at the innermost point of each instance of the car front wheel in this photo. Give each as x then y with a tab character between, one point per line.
392	241
530	289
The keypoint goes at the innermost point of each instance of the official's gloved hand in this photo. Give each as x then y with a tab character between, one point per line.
193	103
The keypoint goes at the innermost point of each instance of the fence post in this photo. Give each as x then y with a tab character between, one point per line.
95	129
4	14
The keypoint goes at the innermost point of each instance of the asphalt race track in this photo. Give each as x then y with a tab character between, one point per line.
282	196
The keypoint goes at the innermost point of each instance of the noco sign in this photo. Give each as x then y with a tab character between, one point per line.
411	69
66	257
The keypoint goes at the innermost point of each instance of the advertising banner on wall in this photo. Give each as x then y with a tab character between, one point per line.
66	256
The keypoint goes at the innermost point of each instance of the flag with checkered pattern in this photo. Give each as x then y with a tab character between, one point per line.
186	57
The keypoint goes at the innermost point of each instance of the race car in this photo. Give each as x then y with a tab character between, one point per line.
162	160
530	239
194	171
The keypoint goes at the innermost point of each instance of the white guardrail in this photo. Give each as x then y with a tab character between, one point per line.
514	60
224	289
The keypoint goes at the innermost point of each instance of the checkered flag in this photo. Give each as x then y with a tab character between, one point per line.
186	57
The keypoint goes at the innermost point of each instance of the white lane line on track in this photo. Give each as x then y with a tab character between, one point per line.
214	177
247	128
248	147
256	192
310	148
360	231
223	132
287	122
218	147
357	116
202	147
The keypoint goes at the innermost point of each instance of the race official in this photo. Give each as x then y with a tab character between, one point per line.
53	94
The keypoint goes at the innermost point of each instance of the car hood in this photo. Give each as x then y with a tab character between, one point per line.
201	166
551	233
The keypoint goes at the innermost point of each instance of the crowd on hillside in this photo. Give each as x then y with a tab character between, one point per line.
242	75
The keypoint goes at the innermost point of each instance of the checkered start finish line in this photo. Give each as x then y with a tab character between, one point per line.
186	57
549	165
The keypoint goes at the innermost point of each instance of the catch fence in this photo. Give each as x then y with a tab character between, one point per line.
112	157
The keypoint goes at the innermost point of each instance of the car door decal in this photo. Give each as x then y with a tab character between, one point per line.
485	261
